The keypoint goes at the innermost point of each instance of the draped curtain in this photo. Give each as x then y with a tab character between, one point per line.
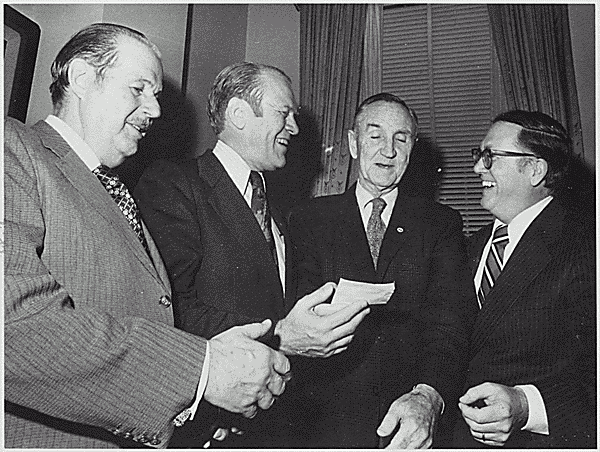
533	43
371	74
331	60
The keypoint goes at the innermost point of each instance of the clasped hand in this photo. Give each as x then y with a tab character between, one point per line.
243	373
304	332
505	410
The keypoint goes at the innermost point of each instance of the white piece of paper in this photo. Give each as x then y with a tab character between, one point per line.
348	292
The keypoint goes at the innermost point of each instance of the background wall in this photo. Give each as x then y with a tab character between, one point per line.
583	37
226	34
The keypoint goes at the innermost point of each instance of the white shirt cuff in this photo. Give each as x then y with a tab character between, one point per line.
202	383
537	422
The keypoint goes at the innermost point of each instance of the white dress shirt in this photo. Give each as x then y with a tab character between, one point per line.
87	155
537	422
239	172
363	198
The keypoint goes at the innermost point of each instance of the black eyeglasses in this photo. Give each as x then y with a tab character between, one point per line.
487	154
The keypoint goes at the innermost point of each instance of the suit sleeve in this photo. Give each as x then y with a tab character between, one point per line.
168	202
448	310
81	365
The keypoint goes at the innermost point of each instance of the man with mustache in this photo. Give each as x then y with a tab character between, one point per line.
92	359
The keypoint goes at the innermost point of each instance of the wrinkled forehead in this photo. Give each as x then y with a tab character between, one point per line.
386	115
138	61
277	89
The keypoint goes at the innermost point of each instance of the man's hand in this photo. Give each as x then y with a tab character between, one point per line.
506	410
417	413
304	332
243	372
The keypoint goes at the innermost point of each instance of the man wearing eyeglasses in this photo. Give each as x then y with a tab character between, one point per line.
531	380
408	357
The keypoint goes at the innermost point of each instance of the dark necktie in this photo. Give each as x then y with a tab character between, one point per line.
261	210
376	228
494	262
117	189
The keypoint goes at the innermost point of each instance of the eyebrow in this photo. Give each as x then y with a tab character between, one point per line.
378	126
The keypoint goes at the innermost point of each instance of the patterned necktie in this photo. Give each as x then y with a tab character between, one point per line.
494	263
261	210
117	189
376	228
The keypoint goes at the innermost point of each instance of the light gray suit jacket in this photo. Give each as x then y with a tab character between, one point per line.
91	357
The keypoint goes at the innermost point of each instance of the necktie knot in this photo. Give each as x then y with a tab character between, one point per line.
378	205
257	182
261	211
494	263
120	194
500	240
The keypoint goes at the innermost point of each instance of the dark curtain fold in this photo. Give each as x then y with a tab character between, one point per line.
533	43
331	55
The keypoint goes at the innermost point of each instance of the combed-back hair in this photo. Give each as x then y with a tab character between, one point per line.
98	45
545	137
240	80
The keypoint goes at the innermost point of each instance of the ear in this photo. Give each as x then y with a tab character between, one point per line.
352	145
539	170
81	75
237	112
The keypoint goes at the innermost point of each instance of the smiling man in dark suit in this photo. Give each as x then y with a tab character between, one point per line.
414	348
225	247
91	357
531	380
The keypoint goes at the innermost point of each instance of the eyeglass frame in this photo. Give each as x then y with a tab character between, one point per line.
486	155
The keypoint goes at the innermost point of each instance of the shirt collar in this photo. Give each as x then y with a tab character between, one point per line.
80	147
237	169
363	197
520	223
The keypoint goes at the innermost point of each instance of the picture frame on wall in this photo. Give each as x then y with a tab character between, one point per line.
21	41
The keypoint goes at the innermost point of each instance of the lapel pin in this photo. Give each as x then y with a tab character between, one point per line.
400	230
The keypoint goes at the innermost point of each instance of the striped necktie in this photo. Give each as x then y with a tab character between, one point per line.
120	194
494	262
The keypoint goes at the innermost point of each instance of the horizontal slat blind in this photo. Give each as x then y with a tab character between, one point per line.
439	59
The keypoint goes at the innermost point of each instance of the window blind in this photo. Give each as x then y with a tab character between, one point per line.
439	58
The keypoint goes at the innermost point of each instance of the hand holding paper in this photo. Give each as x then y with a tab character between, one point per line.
350	292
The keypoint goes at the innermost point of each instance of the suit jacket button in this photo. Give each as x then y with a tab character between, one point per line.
165	300
143	438
156	439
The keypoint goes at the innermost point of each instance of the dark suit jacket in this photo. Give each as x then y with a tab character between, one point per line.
90	354
420	336
219	263
538	326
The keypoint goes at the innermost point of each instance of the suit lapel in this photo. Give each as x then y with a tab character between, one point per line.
527	261
235	214
90	188
398	231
